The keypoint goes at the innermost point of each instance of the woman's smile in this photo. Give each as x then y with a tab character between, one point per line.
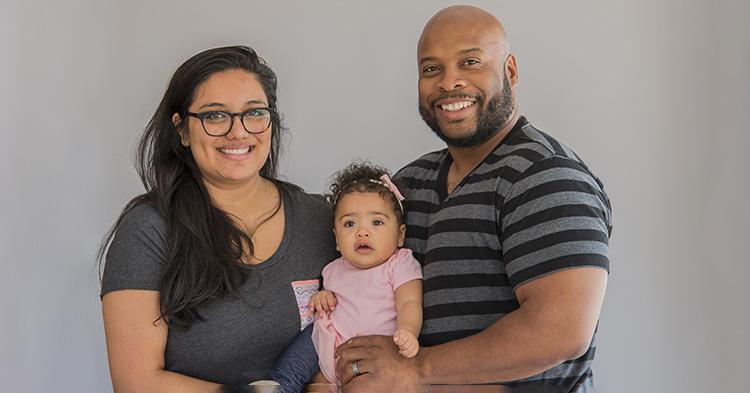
236	153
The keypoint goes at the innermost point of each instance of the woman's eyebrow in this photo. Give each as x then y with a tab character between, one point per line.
218	104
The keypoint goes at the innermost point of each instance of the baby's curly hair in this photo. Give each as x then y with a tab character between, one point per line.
357	178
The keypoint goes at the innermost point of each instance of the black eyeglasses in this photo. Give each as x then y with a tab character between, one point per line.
219	123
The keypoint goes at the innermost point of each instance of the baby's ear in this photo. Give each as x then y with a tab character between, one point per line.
401	235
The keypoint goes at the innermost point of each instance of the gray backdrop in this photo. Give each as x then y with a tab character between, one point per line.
651	93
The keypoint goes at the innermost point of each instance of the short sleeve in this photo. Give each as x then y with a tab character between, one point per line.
138	252
404	268
326	275
556	216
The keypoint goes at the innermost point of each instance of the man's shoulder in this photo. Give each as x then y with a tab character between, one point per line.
428	162
528	148
535	144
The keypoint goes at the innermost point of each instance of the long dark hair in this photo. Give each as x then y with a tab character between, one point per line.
205	246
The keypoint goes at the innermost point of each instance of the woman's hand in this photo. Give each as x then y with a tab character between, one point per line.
408	346
322	302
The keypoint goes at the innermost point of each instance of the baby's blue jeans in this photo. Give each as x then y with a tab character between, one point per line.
297	364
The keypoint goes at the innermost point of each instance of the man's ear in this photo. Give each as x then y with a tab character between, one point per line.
177	120
511	70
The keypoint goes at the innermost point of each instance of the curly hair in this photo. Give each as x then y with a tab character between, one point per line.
362	176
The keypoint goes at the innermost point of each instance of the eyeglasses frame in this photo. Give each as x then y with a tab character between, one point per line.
202	115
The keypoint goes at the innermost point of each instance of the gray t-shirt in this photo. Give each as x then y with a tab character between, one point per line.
238	343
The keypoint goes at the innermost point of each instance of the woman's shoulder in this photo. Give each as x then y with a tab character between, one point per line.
138	251
310	225
142	214
305	201
140	222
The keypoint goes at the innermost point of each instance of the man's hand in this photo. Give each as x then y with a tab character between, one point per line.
323	302
407	343
381	367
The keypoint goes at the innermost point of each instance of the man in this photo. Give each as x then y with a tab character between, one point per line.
510	226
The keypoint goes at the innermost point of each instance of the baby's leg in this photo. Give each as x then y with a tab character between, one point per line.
319	384
298	364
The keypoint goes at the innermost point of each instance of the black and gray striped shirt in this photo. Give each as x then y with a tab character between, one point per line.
530	208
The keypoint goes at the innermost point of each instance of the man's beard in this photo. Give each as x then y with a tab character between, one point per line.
489	120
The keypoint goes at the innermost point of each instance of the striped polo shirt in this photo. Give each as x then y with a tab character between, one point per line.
531	208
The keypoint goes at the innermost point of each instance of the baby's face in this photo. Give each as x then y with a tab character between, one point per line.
367	232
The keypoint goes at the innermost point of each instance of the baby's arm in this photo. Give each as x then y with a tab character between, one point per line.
323	302
409	309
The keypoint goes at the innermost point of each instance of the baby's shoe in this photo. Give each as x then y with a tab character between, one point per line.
265	386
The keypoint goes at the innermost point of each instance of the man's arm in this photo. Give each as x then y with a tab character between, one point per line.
555	322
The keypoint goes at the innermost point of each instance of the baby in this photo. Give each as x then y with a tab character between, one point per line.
374	288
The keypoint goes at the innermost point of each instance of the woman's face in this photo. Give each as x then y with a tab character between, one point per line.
235	158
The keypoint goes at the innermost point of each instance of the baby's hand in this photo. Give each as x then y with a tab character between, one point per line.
323	302
407	343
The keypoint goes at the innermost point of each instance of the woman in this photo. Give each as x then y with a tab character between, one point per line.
199	284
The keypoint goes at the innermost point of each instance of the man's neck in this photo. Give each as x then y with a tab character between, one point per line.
465	159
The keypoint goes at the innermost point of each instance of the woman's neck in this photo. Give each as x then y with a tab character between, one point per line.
247	200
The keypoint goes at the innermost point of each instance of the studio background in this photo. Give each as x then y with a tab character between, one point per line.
652	94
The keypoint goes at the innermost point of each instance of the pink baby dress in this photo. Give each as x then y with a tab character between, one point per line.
366	303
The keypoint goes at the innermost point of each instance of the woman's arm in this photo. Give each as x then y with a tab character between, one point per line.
409	319
135	346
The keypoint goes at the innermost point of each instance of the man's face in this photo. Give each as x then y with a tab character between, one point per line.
464	94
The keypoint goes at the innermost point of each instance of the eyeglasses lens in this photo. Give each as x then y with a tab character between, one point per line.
255	121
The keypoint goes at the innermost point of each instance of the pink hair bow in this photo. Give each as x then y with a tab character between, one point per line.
393	188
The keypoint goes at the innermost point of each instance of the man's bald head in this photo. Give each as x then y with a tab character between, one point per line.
465	19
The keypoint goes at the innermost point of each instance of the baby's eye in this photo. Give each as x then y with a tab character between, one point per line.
378	222
348	224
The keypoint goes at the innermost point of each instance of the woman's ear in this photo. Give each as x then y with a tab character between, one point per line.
177	120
